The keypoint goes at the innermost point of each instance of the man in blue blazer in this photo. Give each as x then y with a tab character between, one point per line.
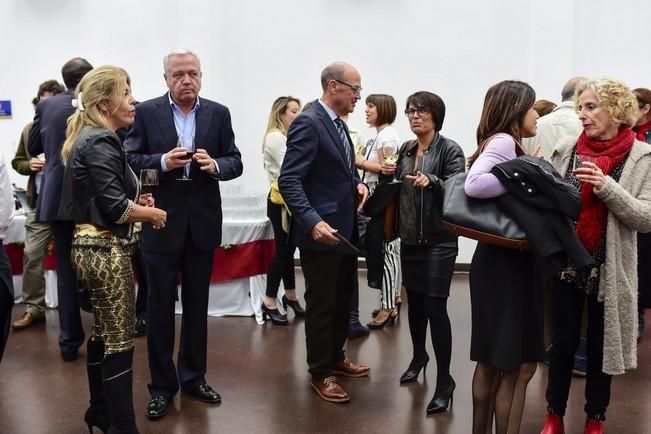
322	189
47	136
166	129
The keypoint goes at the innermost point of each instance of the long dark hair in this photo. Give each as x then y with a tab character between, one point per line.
505	107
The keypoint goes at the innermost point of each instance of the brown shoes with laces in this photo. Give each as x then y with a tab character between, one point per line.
328	389
347	368
27	320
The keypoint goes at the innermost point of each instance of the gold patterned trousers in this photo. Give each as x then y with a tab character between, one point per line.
105	269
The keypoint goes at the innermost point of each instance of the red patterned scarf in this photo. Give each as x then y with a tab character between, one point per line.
640	130
608	153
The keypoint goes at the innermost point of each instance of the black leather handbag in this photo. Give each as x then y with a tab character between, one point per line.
479	219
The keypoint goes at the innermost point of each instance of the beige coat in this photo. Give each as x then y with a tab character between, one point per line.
629	211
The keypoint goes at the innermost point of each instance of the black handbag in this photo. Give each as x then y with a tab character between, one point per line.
479	219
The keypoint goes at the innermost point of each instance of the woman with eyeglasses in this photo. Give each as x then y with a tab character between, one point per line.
428	252
385	275
506	304
283	111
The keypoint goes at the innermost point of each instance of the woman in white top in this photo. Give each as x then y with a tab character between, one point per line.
380	113
283	111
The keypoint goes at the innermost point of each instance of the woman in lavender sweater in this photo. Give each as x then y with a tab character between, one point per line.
506	304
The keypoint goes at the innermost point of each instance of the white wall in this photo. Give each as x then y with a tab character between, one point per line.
254	51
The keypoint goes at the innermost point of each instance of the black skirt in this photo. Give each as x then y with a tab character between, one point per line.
644	269
507	308
428	270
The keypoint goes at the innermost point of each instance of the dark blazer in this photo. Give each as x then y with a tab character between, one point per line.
193	206
47	136
315	180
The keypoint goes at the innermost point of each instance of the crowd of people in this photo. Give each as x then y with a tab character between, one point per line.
585	161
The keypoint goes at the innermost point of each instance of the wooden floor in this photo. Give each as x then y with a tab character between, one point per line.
260	372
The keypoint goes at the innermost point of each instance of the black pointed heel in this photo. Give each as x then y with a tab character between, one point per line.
276	317
443	400
295	305
412	372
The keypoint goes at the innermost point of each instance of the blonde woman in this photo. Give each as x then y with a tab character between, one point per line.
283	111
101	194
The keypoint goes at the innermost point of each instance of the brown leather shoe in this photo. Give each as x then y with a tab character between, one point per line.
350	369
328	389
27	320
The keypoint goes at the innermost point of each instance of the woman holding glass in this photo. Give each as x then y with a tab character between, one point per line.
380	114
102	195
427	250
283	111
614	179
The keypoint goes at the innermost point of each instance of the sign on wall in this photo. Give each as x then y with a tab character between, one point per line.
5	109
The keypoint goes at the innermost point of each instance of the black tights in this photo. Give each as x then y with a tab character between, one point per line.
502	394
424	309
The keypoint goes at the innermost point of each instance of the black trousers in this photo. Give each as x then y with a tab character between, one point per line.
195	267
71	332
143	287
329	281
6	298
567	307
282	264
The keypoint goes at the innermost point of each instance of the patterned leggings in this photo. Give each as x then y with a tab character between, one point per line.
391	277
106	271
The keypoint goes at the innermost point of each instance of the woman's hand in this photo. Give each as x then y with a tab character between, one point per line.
419	180
387	168
157	218
146	200
590	173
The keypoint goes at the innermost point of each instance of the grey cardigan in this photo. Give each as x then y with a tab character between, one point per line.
629	211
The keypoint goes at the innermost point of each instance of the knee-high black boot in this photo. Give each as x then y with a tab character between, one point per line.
97	412
117	375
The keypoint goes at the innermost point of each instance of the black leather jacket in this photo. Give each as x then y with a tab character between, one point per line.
420	208
99	187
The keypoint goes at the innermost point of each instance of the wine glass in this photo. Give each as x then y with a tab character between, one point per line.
190	150
148	181
390	153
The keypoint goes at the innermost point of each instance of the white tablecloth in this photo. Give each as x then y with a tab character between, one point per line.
244	221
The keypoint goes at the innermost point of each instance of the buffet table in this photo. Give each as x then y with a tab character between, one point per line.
238	280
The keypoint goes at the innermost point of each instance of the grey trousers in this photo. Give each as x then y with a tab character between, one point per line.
37	240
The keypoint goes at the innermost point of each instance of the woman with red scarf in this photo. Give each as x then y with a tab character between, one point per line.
642	130
613	172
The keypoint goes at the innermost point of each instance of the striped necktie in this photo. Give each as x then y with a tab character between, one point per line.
344	141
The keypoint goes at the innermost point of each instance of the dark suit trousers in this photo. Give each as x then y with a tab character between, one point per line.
329	281
139	270
195	267
6	298
71	332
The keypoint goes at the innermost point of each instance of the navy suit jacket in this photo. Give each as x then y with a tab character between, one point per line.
193	207
315	180
47	136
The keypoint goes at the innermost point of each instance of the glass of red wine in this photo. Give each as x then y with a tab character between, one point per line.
148	181
190	150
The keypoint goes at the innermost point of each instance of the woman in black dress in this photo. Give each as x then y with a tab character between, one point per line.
506	303
428	252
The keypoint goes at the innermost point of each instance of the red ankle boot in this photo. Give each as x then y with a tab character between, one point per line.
594	427
553	425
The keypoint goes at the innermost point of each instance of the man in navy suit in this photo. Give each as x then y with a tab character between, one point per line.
165	130
47	136
322	189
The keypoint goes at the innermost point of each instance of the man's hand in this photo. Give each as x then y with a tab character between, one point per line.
36	164
323	233
177	157
362	195
205	161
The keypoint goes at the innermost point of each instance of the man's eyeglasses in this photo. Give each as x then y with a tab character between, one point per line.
410	112
355	89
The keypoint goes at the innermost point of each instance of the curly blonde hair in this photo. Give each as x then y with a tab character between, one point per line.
614	96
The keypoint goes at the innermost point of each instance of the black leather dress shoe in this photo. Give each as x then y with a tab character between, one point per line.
205	393
158	407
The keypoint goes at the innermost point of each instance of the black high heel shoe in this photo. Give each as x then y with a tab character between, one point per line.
276	317
295	305
96	418
443	400
411	374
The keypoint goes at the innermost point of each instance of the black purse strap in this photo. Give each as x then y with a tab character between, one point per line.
368	153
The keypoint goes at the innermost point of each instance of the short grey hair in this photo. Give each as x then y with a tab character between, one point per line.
569	89
179	52
334	71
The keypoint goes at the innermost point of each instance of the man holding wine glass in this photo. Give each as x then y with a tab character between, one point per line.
189	141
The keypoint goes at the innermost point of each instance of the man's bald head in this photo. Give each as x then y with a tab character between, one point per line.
334	71
570	87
